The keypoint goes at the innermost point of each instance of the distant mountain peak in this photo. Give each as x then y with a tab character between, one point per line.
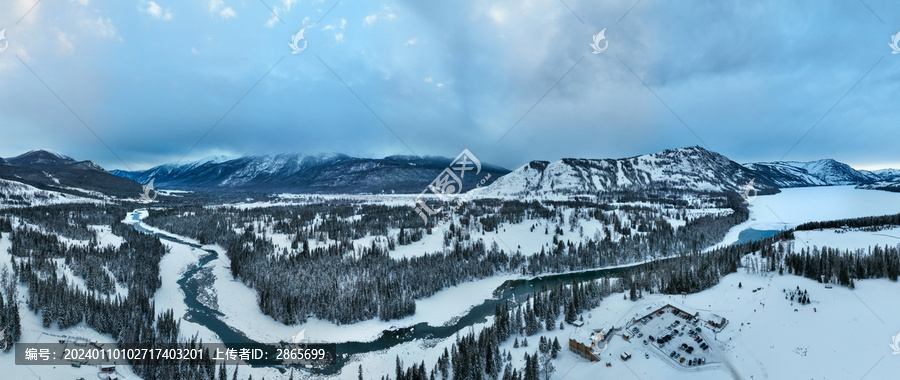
53	171
694	169
40	157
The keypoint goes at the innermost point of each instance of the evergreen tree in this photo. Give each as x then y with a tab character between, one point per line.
554	351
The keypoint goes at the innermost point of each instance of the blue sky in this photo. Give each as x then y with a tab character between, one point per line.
136	83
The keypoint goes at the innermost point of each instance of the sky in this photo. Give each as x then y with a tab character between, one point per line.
131	84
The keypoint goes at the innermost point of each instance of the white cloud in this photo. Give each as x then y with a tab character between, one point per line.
339	36
103	28
228	13
498	14
157	11
65	42
278	10
411	41
215	6
370	19
83	2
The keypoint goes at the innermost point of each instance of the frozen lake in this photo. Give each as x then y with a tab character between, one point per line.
793	207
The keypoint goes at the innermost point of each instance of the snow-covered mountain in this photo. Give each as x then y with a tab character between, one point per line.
885	174
686	169
825	172
886	185
300	173
46	170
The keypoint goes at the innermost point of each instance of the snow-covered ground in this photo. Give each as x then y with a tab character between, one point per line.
33	331
241	310
852	239
793	207
842	334
17	194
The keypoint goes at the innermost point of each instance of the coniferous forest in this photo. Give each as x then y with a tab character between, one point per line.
323	273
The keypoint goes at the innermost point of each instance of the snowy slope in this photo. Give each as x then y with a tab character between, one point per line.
825	172
16	194
886	173
690	169
887	185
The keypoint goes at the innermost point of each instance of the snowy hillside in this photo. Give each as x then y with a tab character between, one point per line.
826	172
689	169
887	185
886	173
16	194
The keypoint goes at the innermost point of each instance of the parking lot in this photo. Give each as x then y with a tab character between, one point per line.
675	335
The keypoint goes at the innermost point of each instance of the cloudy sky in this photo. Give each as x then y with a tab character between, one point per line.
136	83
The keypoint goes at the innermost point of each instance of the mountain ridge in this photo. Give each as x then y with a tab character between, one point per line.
51	171
304	173
824	172
684	169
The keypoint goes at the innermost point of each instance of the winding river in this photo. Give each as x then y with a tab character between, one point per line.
513	290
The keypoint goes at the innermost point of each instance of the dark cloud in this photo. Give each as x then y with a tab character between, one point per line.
748	80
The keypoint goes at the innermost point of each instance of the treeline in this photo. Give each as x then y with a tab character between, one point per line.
884	221
842	267
10	322
69	220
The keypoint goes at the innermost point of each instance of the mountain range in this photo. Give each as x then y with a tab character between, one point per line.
50	171
684	169
826	172
299	173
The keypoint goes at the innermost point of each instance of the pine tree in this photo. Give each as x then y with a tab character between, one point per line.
554	351
361	375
